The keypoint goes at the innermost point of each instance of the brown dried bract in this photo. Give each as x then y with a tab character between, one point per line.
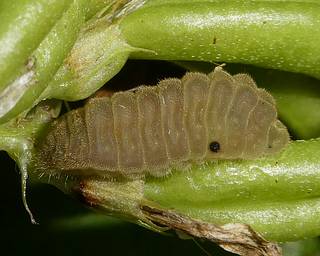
236	238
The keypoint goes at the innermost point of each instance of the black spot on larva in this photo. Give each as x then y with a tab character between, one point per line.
214	146
269	146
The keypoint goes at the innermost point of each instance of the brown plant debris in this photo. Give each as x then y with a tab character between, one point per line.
236	238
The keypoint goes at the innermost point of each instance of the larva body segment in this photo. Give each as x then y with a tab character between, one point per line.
259	122
241	107
102	150
77	146
151	130
154	129
127	133
195	93
221	93
172	114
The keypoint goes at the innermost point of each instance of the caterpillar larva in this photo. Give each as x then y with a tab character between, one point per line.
152	129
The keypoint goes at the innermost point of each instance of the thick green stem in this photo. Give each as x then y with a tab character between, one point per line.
99	48
97	56
268	34
21	34
46	60
161	2
277	195
24	25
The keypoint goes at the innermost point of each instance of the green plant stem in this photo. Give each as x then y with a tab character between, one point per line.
95	6
38	67
267	34
47	59
161	2
20	33
277	195
50	42
24	25
97	56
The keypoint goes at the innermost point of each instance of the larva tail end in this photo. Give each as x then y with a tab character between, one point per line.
278	137
267	96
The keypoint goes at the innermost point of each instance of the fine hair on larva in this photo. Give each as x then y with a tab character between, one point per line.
153	129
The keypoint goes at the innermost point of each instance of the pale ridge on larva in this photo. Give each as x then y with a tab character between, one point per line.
153	129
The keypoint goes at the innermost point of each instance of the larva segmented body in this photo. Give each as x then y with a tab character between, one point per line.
152	129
